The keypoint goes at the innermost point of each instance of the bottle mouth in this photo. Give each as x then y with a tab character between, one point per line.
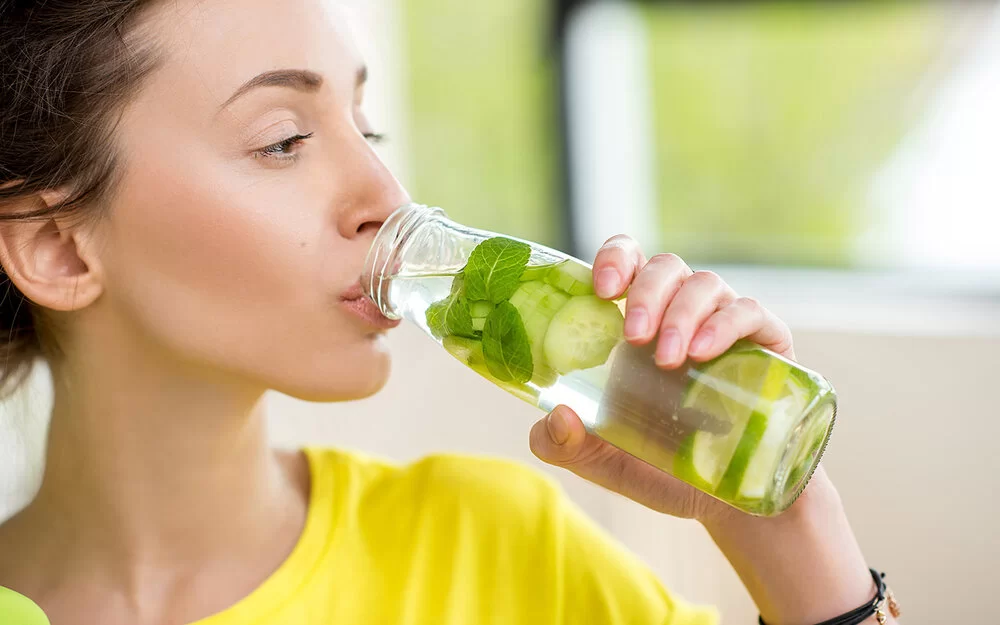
384	257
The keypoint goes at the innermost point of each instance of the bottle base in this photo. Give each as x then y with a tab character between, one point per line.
805	448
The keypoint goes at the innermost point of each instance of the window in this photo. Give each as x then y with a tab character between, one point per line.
817	134
481	114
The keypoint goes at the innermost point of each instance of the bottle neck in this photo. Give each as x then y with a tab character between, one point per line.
386	257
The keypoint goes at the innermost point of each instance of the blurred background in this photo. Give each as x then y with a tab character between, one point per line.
836	159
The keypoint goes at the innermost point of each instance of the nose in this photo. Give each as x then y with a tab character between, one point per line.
374	194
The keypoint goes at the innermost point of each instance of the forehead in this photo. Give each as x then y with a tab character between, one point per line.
211	47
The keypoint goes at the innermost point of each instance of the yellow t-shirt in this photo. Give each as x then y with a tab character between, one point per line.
452	541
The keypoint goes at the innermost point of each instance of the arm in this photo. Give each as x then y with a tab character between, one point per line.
802	567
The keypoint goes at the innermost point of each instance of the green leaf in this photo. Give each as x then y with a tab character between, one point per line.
506	345
451	317
436	318
494	269
459	318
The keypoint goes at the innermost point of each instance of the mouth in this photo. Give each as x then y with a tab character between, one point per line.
357	303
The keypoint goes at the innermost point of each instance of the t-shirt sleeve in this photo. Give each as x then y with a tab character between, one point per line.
602	582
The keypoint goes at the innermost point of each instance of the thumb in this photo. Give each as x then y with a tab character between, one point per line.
560	439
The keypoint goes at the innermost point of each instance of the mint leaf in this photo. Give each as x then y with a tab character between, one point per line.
436	318
494	269
459	318
450	317
506	346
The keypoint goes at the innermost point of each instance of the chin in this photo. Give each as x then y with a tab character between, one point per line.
352	378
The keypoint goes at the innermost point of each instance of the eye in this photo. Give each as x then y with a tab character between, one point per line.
375	137
284	149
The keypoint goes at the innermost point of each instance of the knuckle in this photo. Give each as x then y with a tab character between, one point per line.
786	344
751	305
665	260
708	278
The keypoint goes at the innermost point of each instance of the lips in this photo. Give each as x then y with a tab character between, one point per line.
353	293
356	302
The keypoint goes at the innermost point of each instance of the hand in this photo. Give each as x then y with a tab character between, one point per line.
689	314
804	566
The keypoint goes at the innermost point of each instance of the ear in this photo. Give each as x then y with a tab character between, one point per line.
49	260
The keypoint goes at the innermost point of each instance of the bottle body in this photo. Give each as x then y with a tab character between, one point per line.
748	428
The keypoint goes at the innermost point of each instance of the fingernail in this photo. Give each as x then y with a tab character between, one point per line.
637	323
557	427
702	341
670	347
608	282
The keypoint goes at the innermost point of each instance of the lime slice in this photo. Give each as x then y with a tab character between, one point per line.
783	410
762	420
730	389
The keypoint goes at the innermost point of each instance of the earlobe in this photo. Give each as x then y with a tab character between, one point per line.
47	261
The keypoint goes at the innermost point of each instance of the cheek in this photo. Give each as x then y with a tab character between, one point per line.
233	274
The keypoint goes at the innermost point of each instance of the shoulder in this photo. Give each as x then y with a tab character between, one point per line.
485	490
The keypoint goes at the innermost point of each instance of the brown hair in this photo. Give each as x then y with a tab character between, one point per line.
67	68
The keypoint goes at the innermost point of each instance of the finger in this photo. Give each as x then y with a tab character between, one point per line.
617	262
743	318
701	295
561	440
651	294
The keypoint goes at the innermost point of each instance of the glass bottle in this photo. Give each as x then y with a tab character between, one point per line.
748	427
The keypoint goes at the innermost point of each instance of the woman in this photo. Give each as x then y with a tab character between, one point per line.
188	195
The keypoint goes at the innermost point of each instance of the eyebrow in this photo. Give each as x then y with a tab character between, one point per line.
298	79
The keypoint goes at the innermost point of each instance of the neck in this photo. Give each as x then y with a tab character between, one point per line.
161	467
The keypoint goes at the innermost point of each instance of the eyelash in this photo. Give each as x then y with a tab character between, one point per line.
281	149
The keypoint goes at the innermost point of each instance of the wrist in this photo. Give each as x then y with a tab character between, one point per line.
803	566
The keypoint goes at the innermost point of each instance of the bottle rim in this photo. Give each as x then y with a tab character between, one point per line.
387	247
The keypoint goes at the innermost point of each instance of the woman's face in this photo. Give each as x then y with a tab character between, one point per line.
249	198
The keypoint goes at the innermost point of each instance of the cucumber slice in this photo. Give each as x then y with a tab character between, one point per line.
572	277
480	310
582	334
538	272
527	290
538	303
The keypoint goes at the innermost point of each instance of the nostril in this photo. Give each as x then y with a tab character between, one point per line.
369	227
